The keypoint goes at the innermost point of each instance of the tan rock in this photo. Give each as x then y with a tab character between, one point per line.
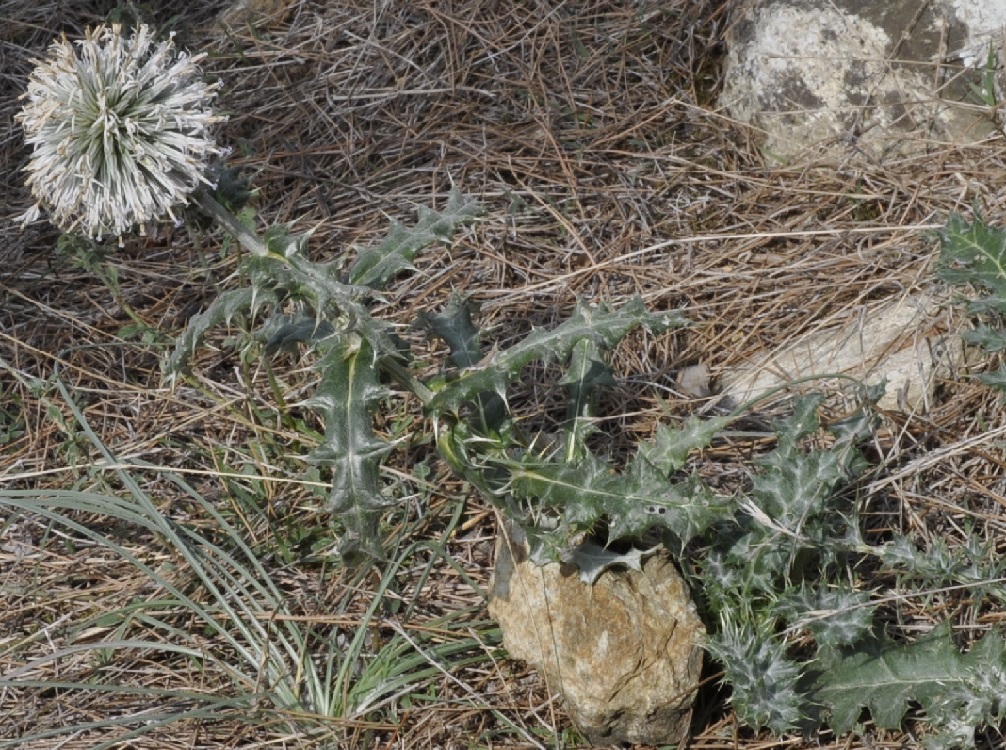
625	653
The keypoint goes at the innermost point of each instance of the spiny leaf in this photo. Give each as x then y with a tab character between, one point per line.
290	277
765	680
598	324
470	453
837	616
989	339
974	254
225	308
286	332
802	422
345	401
794	486
686	507
995	379
332	300
761	557
374	267
586	373
670	447
975	564
546	545
454	325
791	524
887	678
589	492
792	491
861	424
591	560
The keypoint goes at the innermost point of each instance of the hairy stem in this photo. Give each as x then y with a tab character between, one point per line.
248	239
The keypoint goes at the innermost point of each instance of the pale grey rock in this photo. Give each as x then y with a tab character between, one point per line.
848	77
625	652
909	342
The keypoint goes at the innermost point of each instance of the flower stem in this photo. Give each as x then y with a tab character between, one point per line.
248	239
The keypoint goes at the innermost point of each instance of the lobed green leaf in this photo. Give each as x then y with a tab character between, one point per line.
765	681
996	379
589	494
454	325
345	400
974	254
225	308
670	447
598	324
375	267
836	616
887	678
988	338
586	374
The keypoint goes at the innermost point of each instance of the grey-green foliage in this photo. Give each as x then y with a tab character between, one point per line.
374	267
345	399
796	633
599	325
974	254
784	573
958	692
564	499
560	499
778	564
975	566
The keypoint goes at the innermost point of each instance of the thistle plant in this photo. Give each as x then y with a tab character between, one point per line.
120	131
120	138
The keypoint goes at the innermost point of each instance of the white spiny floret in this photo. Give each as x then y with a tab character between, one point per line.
119	127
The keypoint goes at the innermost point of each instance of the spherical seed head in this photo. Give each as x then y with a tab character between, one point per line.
119	128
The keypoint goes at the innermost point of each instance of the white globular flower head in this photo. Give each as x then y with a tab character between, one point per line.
120	130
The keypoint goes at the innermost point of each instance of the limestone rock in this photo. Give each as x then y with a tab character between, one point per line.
860	76
904	341
625	653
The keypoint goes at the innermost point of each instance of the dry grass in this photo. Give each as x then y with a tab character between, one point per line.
588	131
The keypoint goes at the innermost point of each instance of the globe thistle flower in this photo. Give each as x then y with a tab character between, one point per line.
119	127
